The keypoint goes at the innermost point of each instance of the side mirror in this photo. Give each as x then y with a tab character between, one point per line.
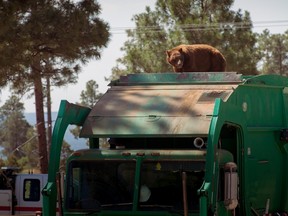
230	186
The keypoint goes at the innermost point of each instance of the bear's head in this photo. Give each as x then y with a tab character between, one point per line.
175	58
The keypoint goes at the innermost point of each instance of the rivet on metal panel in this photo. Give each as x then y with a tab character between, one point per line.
248	151
244	106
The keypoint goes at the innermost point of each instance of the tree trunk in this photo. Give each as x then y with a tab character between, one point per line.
49	115
40	120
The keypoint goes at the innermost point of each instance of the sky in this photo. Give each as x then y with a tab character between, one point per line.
119	14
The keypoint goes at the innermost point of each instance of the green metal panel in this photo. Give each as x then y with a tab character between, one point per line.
159	104
89	154
264	156
259	107
178	78
224	112
68	114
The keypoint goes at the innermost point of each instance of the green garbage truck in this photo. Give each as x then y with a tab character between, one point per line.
176	144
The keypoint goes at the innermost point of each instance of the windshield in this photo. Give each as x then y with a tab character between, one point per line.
109	185
95	185
162	185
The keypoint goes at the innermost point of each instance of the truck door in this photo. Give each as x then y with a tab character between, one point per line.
28	193
5	202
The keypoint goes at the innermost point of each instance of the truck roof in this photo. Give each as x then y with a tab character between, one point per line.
159	104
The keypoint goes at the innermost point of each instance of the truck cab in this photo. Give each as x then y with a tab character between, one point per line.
111	184
20	193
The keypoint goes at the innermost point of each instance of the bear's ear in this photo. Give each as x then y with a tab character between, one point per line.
180	50
168	52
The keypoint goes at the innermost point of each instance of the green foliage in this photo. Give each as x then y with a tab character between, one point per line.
19	139
16	135
145	49
47	38
273	49
188	22
57	32
91	94
30	149
88	98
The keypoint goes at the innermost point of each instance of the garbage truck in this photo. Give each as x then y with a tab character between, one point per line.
176	144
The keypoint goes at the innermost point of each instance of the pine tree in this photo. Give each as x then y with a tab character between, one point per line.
90	95
273	49
14	131
40	34
188	22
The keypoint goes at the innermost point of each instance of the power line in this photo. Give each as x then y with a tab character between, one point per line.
207	27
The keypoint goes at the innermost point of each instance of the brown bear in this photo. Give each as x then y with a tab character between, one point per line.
196	58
